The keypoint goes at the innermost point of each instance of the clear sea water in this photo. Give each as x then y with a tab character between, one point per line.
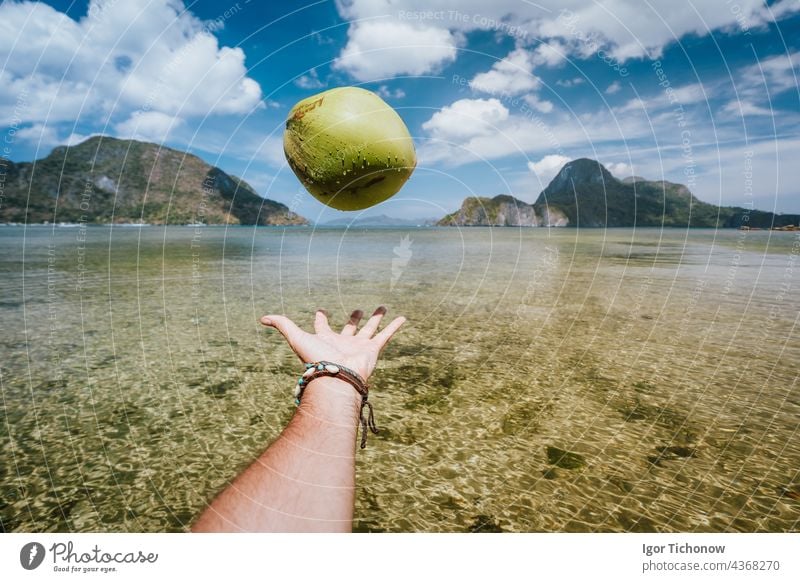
547	380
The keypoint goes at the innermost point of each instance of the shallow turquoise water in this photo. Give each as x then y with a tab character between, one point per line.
547	380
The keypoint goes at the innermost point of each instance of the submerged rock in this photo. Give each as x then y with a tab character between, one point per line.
484	524
565	459
221	388
671	453
677	451
550	473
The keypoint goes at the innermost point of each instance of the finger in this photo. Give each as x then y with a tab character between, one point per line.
286	326
372	325
351	326
321	322
384	336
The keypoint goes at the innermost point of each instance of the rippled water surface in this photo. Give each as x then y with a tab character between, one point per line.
547	380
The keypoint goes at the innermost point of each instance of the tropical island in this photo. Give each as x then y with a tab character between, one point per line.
105	180
585	194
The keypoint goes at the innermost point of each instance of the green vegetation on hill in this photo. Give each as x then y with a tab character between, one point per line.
106	180
585	194
590	196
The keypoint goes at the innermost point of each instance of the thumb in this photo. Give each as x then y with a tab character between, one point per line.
286	326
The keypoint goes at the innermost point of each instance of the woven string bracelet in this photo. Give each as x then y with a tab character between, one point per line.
322	368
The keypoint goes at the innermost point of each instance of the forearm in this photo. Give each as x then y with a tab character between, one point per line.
305	481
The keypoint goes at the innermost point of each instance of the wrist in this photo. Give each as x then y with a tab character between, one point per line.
333	400
361	370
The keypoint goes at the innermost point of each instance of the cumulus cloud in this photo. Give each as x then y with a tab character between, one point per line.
613	88
45	137
148	126
550	54
76	138
629	29
547	168
123	65
385	48
387	93
620	170
567	83
512	75
541	105
309	81
626	28
40	134
527	133
466	119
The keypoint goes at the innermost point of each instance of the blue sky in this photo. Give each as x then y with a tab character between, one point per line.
498	96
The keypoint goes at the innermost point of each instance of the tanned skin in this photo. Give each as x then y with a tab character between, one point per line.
305	480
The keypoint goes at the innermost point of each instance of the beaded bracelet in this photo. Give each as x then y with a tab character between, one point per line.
318	369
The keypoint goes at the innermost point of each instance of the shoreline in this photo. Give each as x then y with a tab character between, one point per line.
789	228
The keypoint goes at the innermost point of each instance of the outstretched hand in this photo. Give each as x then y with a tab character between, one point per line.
305	480
357	350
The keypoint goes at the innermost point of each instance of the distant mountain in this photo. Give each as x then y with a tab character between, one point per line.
585	194
379	220
106	180
503	210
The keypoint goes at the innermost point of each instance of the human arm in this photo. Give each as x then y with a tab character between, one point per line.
305	480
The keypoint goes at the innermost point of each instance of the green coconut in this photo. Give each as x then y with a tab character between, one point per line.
348	147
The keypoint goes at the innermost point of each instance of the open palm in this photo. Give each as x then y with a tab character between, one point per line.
353	348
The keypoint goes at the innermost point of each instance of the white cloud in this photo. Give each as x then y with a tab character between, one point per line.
511	76
624	28
551	54
76	138
769	77
199	79
547	168
123	63
40	134
567	83
310	81
780	72
746	108
694	93
387	93
528	133
538	104
385	48
148	126
620	170
630	29
45	137
775	175
613	88
466	119
721	177
683	96
514	75
322	39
